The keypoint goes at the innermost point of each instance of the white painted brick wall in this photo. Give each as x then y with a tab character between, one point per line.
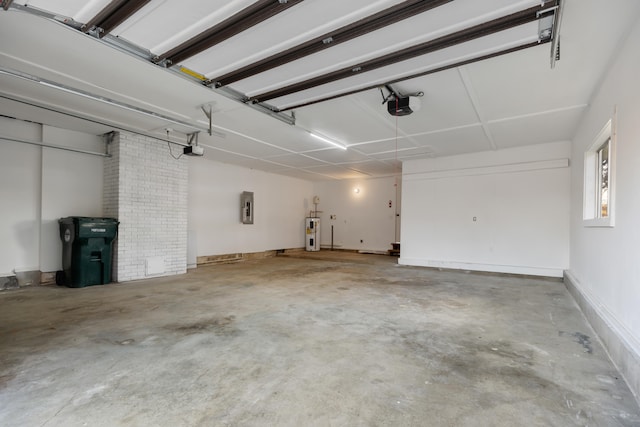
146	189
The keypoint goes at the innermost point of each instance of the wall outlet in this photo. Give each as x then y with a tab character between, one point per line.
332	216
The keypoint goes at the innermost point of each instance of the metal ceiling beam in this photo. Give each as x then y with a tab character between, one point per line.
237	96
113	15
359	28
263	108
481	30
138	52
241	21
43	14
424	73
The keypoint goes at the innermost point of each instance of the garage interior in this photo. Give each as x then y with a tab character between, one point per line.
472	167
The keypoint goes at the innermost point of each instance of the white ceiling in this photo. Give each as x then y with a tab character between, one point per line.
507	101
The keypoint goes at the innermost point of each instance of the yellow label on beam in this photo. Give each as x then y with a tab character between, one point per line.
193	73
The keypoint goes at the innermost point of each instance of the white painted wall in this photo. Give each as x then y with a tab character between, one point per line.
20	177
360	216
605	262
39	185
520	201
281	204
71	186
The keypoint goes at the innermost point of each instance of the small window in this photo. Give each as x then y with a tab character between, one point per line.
598	180
603	179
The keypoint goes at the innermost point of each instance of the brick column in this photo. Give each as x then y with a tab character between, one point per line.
146	189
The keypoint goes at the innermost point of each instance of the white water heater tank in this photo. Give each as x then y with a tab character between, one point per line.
312	234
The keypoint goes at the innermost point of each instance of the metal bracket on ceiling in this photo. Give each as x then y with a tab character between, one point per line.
164	63
207	109
273	112
6	3
540	13
95	32
395	94
108	140
258	106
546	21
208	114
192	138
555	35
109	136
388	97
549	21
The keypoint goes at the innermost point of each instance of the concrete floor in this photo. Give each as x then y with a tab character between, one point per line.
342	340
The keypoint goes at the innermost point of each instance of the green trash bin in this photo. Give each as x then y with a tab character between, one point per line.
87	246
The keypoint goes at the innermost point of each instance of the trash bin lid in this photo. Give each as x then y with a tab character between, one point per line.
92	227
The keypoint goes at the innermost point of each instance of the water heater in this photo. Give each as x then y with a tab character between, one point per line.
312	233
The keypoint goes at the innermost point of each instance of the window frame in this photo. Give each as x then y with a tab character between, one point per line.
592	194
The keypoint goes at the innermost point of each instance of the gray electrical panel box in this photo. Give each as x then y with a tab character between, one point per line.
246	207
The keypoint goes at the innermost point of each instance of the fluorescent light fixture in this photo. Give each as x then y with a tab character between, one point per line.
328	141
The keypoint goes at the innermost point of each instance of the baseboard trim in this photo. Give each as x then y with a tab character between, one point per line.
620	351
23	279
8	282
48	278
239	257
490	268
